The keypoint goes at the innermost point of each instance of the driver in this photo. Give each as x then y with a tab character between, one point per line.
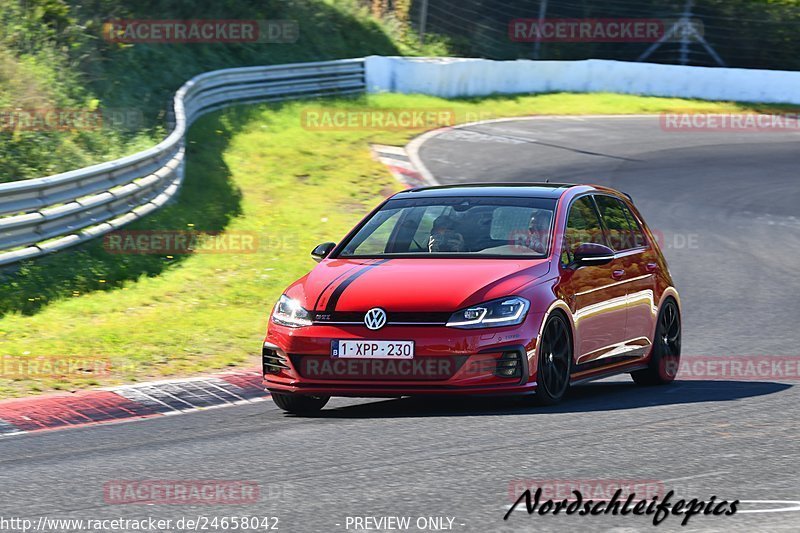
444	237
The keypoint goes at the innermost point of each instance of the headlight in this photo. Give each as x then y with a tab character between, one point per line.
503	312
289	313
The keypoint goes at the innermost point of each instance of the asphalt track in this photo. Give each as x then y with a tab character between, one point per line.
727	205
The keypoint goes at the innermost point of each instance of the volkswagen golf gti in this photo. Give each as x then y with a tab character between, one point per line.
484	289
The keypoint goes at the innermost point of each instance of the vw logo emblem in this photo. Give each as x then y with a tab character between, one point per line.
375	318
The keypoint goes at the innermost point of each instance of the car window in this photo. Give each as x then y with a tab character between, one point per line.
612	212
463	226
507	220
623	231
638	235
380	231
583	225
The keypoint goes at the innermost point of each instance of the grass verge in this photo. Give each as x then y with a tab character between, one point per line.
250	169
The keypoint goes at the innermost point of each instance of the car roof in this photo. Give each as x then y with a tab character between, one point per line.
529	190
518	189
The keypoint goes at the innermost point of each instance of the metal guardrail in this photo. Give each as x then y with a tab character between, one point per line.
44	215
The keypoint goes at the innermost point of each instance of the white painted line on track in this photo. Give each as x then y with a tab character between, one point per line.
792	508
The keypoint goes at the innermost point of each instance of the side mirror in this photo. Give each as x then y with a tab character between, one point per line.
592	254
322	251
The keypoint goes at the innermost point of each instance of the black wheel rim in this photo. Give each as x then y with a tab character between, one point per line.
669	339
554	360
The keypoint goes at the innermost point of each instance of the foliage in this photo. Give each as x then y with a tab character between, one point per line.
53	56
745	33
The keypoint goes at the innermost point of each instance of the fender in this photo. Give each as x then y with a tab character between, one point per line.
557	304
670	291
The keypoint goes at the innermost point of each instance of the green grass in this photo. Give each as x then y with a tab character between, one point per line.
53	56
253	169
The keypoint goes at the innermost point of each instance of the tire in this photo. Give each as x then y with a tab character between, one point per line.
299	405
555	362
665	358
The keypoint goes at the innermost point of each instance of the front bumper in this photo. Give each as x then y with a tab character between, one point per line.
447	361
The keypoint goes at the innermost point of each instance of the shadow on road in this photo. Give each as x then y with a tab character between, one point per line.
602	396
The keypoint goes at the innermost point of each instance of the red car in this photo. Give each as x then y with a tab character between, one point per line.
478	289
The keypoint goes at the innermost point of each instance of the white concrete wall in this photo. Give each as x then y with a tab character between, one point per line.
477	77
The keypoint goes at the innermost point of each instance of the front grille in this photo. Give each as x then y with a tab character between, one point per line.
272	362
397	318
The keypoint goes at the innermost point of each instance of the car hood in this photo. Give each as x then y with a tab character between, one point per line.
408	285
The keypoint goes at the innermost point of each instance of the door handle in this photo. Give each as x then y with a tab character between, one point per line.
618	274
651	267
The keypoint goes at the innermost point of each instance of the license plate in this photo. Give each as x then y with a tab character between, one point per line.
362	349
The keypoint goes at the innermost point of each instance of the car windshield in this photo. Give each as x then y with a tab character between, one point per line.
456	227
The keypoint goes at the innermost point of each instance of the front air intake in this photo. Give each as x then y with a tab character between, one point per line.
272	361
509	365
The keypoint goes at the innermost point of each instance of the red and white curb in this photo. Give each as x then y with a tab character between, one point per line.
144	400
399	164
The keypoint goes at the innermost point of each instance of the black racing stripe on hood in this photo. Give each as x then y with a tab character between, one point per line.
337	293
334	280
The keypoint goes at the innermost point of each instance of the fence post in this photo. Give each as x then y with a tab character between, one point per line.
423	21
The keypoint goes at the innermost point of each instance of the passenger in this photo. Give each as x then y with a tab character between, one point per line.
538	232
